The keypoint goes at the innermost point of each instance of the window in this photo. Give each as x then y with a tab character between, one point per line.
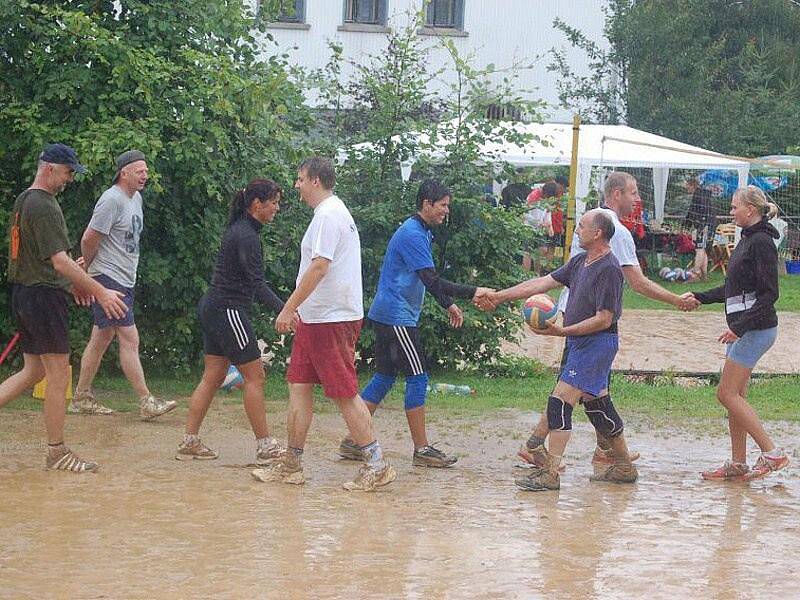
368	12
292	11
504	112
447	14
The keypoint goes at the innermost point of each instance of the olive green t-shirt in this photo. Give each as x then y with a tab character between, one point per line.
42	233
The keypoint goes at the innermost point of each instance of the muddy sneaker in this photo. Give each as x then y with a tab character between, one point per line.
196	451
729	471
288	469
84	403
606	457
539	480
431	456
621	472
537	457
270	453
368	479
349	450
767	464
151	407
69	461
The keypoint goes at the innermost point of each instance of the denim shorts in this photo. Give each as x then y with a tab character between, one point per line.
751	346
100	318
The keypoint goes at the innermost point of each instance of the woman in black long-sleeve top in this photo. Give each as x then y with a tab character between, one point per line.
228	335
749	294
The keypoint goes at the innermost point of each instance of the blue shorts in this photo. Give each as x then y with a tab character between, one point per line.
100	318
751	346
588	363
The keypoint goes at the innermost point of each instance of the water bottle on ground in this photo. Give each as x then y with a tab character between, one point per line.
450	388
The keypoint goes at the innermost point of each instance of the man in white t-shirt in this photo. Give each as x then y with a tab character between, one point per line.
325	311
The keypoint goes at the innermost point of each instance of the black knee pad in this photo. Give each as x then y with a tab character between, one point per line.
559	414
603	416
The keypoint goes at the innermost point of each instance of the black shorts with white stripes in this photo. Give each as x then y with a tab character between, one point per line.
398	349
227	332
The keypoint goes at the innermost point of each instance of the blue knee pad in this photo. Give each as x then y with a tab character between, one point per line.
377	388
604	417
559	414
416	389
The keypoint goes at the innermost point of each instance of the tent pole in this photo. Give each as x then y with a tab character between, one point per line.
573	174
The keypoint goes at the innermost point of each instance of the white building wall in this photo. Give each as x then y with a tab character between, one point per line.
499	32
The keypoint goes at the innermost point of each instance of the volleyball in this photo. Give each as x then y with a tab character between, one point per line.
538	310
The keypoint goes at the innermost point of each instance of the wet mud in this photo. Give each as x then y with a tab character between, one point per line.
148	526
668	340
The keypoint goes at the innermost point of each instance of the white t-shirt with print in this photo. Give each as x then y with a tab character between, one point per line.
622	247
332	234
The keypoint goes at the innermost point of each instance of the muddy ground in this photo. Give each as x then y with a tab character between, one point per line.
669	340
148	526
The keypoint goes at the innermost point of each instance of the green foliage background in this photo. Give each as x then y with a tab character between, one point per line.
721	74
180	81
201	89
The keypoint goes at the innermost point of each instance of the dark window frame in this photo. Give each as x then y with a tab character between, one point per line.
436	20
351	14
299	15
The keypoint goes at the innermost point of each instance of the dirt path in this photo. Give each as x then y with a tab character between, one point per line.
661	340
148	526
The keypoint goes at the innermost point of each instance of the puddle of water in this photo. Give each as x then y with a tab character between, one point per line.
150	526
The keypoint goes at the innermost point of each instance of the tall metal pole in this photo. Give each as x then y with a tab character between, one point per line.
573	176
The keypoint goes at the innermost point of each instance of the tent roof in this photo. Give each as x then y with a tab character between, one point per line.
606	145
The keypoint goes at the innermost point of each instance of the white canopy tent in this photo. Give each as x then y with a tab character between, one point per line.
609	146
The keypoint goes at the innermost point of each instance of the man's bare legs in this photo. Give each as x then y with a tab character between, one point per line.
129	360
300	414
56	368
701	263
32	373
128	338
93	354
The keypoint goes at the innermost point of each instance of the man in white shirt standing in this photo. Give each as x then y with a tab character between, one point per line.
620	191
326	311
110	247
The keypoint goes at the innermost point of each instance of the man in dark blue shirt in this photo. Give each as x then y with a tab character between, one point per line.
595	280
407	271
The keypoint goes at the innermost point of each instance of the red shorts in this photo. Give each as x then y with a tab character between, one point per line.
325	353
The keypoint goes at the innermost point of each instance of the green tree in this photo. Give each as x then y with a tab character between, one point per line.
394	117
185	82
715	73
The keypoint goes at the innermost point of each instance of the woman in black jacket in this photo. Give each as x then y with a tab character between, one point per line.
228	334
749	294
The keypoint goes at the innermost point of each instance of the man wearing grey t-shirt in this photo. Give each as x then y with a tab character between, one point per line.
110	247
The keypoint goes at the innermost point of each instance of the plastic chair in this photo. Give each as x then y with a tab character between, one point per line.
722	248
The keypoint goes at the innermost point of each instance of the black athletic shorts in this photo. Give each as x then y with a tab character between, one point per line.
42	316
227	332
398	349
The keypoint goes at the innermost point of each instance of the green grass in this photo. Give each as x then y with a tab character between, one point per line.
773	398
789	299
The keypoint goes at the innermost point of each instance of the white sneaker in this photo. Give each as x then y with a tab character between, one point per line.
151	407
84	403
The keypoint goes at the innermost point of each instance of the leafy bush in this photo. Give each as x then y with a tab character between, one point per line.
395	118
181	81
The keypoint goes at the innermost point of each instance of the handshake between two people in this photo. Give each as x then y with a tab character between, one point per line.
687	302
